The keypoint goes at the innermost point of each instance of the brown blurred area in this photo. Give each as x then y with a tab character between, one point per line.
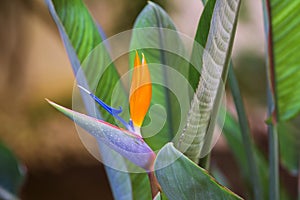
34	66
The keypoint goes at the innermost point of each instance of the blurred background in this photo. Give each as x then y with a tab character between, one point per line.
34	66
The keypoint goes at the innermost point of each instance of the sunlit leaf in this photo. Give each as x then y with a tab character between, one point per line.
180	178
284	51
283	34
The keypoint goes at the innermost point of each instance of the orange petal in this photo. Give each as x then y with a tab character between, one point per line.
140	91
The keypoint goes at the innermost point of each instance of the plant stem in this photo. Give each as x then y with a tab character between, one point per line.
273	154
205	162
273	164
155	187
245	130
272	108
299	180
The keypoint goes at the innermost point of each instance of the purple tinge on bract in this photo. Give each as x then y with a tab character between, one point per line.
128	144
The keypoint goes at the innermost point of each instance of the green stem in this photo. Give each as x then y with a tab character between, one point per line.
273	154
245	130
272	109
299	180
273	163
273	149
205	162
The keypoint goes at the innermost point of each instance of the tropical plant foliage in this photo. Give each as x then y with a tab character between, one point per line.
174	172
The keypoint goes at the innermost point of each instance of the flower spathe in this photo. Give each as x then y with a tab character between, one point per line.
139	98
140	91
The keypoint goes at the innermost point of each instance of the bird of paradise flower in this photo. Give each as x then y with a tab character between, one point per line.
129	143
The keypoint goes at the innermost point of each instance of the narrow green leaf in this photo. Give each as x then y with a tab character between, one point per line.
127	144
86	51
283	32
281	24
183	179
198	131
155	35
80	36
200	38
246	134
11	173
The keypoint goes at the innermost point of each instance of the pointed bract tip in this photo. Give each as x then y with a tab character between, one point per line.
137	61
143	59
49	101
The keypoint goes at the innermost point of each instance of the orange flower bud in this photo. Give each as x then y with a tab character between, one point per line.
140	91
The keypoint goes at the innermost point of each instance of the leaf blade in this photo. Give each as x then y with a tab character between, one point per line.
197	134
74	12
284	37
182	179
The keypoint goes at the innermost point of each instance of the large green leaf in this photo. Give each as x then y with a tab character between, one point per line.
283	34
11	174
205	104
80	36
85	49
180	178
155	35
284	53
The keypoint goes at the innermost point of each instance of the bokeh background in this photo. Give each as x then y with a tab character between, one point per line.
34	66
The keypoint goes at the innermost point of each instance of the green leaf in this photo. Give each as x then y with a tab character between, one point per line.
155	36
183	179
86	50
283	32
120	182
195	141
200	39
12	173
80	36
289	144
234	139
127	144
246	134
140	186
